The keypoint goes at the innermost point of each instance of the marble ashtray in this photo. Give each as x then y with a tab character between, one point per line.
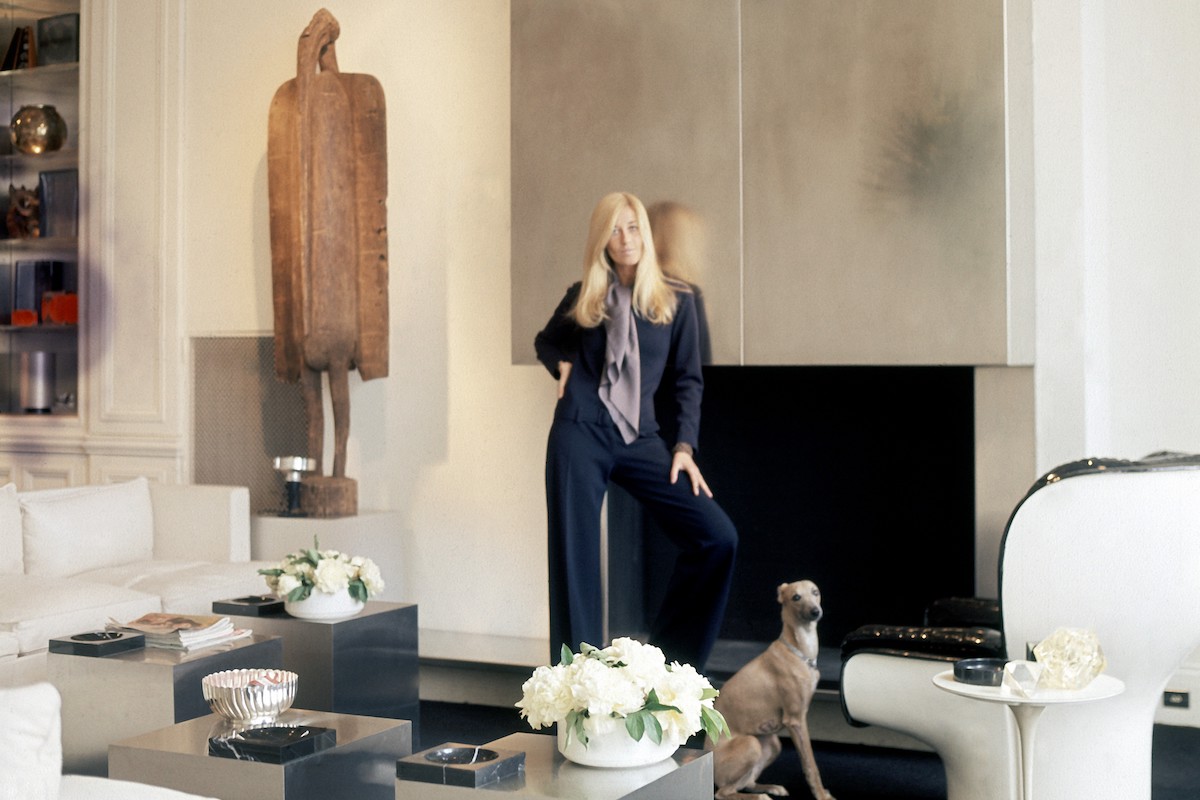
980	671
258	605
273	744
458	764
98	643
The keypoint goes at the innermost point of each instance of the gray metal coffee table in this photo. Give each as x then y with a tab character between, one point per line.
365	664
111	697
362	764
548	776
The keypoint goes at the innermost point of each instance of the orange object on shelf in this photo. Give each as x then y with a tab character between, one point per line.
24	317
61	308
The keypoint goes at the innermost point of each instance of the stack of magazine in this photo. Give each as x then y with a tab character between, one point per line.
183	631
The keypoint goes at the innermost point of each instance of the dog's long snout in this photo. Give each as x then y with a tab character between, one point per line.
814	613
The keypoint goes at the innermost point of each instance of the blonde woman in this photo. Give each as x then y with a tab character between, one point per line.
619	334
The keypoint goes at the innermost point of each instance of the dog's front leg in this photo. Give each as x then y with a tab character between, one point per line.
808	761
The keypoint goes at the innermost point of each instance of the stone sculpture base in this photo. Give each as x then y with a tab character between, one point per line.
326	496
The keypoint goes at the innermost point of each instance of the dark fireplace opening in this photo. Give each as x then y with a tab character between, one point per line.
858	478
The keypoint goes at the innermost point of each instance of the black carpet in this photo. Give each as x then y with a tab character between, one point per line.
849	772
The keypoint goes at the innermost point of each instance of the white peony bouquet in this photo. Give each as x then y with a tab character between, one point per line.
328	571
592	691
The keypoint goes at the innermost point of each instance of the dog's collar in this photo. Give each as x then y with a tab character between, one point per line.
812	662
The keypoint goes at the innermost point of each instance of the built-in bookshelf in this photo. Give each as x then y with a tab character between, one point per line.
39	250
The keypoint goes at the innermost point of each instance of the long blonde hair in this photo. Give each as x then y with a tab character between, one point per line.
653	296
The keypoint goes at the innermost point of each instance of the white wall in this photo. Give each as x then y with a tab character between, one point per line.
1117	160
454	437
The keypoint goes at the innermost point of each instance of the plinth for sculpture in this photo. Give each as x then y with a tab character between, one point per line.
327	180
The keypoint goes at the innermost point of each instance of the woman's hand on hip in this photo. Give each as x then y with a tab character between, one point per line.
683	462
564	372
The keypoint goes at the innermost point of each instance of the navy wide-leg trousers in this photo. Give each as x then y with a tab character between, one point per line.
581	459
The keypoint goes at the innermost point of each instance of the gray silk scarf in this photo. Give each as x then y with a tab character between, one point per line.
621	384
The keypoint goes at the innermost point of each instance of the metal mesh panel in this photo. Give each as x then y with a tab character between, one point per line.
244	417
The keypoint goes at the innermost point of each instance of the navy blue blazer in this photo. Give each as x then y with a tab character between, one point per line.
670	356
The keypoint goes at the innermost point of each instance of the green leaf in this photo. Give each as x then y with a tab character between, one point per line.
714	723
565	656
654	704
358	590
574	723
274	572
709	694
635	725
653	727
301	592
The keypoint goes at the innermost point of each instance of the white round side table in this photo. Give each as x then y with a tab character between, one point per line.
1026	710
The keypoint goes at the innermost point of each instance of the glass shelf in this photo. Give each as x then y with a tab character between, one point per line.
65	158
41	244
36	329
51	72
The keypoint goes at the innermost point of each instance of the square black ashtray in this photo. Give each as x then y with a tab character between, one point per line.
255	605
273	744
460	765
98	643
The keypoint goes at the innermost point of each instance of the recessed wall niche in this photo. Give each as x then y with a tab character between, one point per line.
244	417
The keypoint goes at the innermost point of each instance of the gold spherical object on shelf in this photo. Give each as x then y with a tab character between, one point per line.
37	129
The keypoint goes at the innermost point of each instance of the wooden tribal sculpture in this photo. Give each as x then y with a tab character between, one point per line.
327	180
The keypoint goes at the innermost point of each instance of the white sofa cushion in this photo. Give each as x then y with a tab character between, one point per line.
30	743
68	531
185	587
11	545
37	609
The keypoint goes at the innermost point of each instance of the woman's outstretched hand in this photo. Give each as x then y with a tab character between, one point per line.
684	462
564	372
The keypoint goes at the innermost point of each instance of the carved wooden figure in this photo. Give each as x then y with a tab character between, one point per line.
327	180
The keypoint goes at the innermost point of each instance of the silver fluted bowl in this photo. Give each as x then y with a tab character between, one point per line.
250	696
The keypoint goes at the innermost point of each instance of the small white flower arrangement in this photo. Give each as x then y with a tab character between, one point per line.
328	571
591	691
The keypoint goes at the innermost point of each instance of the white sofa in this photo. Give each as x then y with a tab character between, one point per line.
31	755
71	559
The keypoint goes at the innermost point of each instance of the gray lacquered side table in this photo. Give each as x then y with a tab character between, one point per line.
365	664
687	775
362	763
111	697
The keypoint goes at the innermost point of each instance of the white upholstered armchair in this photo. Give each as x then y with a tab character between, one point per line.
1113	546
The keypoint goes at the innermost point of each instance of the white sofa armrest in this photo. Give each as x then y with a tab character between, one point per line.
195	522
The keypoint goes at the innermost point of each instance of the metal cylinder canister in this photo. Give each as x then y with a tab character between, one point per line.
37	382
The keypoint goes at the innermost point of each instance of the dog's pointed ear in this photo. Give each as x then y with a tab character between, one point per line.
781	593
